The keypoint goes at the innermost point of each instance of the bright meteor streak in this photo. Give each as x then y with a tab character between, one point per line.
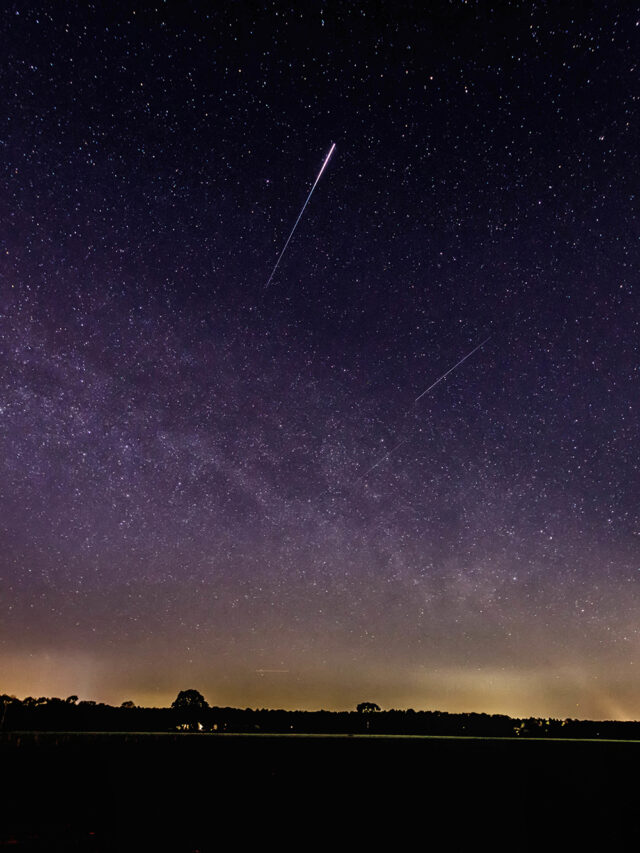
273	271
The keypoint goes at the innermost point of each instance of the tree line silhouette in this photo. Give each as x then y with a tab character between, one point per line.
190	712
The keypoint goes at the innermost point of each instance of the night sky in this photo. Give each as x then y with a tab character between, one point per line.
189	494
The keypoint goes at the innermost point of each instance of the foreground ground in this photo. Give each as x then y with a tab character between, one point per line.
118	792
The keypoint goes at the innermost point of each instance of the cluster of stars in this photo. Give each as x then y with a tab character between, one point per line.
190	472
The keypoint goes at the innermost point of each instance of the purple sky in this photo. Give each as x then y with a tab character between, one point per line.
183	496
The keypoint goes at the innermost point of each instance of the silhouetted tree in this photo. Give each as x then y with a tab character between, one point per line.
190	700
5	702
367	707
190	705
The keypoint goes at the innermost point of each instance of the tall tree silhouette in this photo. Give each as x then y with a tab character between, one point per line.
190	705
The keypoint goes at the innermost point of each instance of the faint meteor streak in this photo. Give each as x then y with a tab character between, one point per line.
433	385
451	369
273	271
380	461
268	671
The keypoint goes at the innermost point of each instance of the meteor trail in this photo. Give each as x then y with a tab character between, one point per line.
273	271
433	385
269	671
451	369
380	461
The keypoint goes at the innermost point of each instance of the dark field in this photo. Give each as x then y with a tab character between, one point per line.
113	792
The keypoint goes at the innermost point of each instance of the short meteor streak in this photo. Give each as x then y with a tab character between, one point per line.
380	461
433	385
451	369
273	271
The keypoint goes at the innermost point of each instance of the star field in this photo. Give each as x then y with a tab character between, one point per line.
187	497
